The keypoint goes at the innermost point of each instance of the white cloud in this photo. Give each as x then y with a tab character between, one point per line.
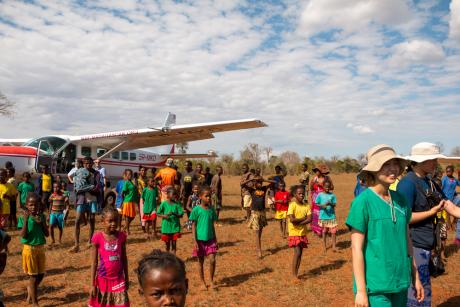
454	23
352	15
378	112
361	129
418	52
80	70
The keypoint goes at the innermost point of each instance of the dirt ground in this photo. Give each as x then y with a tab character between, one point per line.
242	278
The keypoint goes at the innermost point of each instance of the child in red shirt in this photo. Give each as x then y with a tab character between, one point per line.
282	198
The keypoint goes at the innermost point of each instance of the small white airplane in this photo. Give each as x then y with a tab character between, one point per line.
116	150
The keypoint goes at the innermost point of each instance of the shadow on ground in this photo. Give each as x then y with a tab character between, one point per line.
335	265
342	231
235	280
23	296
344	244
229	243
277	249
231	220
451	302
195	259
451	249
67	269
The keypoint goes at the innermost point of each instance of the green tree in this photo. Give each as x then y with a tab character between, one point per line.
6	105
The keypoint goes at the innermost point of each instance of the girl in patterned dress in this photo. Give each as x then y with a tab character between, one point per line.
316	187
109	268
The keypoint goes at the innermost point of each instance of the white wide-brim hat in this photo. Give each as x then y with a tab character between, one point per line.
379	155
425	151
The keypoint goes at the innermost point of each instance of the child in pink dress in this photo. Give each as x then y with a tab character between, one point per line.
110	279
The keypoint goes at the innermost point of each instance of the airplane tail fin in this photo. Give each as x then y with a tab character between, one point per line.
169	121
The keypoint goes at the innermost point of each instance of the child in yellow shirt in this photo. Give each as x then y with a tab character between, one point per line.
299	216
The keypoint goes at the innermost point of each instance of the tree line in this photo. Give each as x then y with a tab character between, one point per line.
262	157
257	156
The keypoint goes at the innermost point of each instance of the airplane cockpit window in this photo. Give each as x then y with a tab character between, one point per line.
49	144
124	155
116	155
132	156
46	147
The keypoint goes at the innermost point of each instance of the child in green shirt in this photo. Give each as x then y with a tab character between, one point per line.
149	201
130	200
4	241
33	232
203	218
170	211
24	187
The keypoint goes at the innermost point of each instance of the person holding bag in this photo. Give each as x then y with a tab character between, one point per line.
425	199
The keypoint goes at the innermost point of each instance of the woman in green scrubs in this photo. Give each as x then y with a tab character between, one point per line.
383	267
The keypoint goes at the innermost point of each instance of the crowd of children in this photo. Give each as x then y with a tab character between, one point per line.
291	208
168	196
44	207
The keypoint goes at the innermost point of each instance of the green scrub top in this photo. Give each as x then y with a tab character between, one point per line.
387	262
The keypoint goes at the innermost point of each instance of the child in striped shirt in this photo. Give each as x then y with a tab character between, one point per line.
58	203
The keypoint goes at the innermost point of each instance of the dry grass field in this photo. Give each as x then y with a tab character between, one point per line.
242	278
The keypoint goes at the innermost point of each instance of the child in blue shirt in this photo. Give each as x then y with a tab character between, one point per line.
449	186
450	183
119	199
326	201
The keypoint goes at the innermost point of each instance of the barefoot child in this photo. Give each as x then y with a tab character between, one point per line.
162	279
7	194
149	201
282	198
258	219
24	188
118	190
299	215
170	211
246	184
129	193
216	189
326	202
192	201
204	234
33	232
58	203
4	241
66	193
109	264
13	220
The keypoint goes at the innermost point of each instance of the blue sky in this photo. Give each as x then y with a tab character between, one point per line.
330	77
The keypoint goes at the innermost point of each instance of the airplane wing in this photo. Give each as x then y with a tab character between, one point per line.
210	154
13	142
449	160
152	137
